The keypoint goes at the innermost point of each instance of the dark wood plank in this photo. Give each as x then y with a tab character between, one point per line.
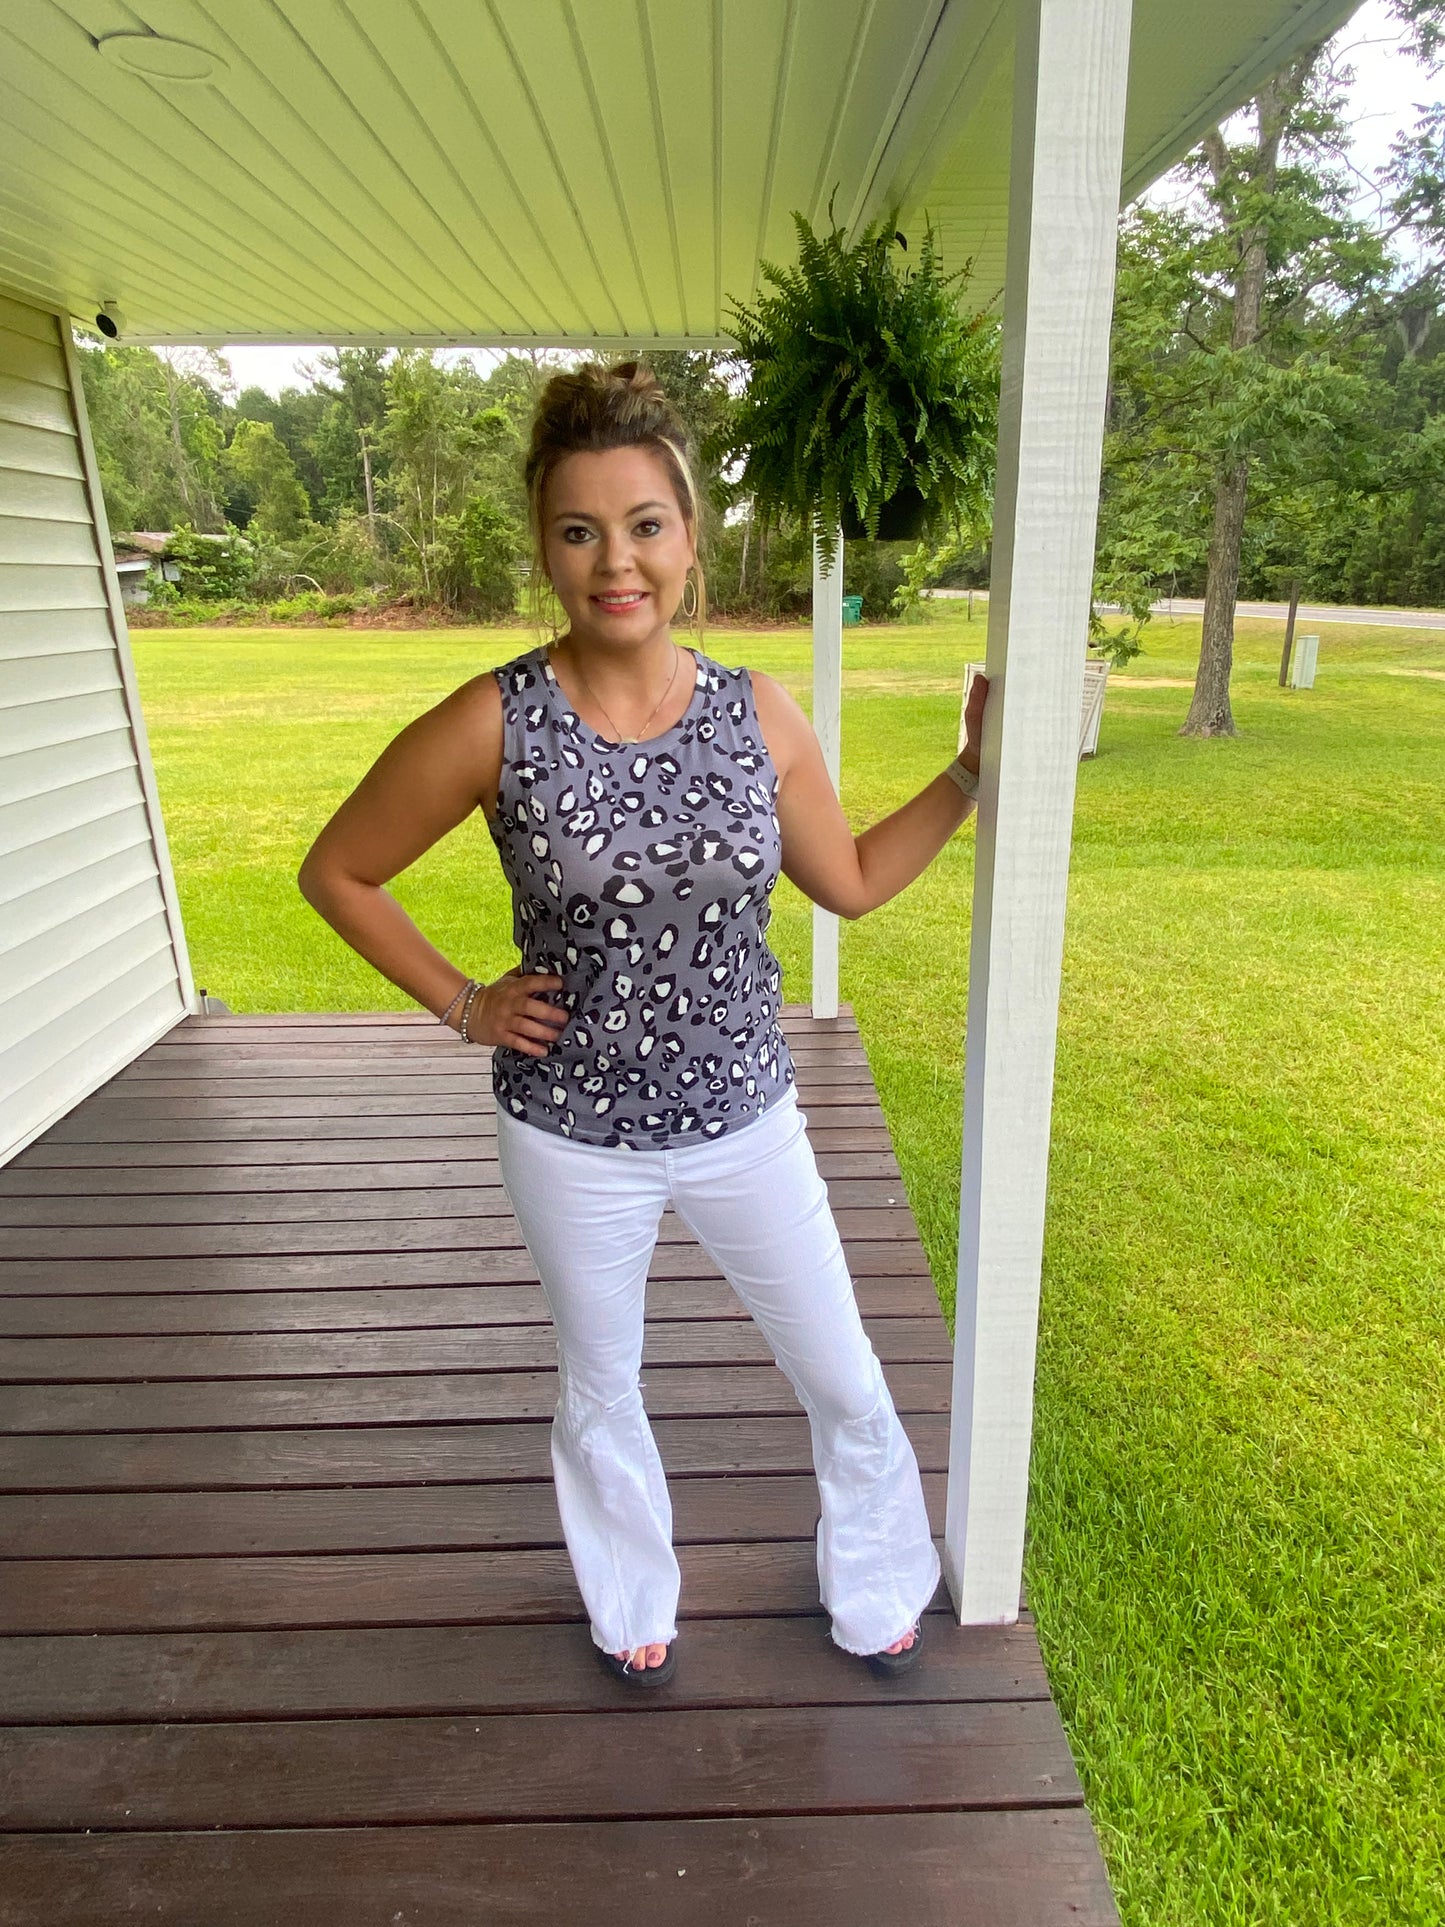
362	1455
421	1172
160	1208
245	1064
878	1258
380	1588
719	1760
297	1118
839	1082
440	1233
209	1525
670	1391
495	1348
321	1141
1037	1868
402	1308
332	1673
479	1198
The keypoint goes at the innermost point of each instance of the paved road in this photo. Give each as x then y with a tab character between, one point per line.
1315	612
1278	611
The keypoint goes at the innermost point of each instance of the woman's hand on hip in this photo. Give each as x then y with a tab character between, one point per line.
512	1012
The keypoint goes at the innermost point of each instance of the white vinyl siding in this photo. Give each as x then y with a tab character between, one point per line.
92	968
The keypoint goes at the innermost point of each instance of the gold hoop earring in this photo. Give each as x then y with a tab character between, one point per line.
688	583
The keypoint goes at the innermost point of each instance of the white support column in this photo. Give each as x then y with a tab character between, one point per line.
828	726
1070	73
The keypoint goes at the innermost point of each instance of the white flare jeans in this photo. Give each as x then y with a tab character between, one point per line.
754	1200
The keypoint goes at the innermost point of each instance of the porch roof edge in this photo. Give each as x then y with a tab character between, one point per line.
1315	22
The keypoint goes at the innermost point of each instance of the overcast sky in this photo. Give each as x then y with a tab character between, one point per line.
1383	98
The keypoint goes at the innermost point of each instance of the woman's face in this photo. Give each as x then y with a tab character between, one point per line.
617	544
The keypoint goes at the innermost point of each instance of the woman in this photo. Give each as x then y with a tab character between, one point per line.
643	799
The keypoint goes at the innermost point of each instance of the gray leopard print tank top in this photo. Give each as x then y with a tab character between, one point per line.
641	875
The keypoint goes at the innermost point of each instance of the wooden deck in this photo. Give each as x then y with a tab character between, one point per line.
289	1628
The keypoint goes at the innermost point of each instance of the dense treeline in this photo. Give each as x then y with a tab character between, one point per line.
394	473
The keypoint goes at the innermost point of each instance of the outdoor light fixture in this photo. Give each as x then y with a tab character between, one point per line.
155	56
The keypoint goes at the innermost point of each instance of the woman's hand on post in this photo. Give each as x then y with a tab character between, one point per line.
969	755
512	1012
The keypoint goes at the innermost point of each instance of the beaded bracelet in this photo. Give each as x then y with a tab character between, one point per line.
456	1000
467	1012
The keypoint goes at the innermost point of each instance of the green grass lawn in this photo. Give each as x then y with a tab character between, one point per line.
1237	1529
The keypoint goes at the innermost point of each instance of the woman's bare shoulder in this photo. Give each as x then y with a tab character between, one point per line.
479	695
472	720
780	717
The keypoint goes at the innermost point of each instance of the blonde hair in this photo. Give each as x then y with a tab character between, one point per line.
592	408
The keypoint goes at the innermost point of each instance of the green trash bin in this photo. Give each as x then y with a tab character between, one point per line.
852	609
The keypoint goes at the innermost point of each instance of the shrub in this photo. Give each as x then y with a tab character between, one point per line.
212	567
482	548
311	603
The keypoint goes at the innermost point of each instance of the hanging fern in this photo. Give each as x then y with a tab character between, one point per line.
862	380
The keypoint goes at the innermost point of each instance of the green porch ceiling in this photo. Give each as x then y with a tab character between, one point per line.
532	171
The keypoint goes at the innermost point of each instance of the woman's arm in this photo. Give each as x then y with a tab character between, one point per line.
849	874
425	782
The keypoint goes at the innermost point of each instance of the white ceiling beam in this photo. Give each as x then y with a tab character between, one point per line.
967	43
600	344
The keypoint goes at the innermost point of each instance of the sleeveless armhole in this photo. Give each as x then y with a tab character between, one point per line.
491	821
746	674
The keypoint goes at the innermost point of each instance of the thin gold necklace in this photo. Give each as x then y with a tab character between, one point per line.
616	732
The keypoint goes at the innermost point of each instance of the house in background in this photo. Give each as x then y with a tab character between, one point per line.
134	571
140	561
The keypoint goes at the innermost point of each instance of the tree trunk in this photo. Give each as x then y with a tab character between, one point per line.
1258	171
366	476
1289	633
1209	713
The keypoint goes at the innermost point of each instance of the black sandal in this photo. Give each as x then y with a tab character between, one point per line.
890	1665
631	1675
887	1665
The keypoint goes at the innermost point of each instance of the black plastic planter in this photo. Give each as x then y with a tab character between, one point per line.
901	518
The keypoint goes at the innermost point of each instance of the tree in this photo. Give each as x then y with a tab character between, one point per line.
1241	357
346	441
441	435
157	424
263	468
295	414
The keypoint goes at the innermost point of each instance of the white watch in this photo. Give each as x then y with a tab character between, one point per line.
965	778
